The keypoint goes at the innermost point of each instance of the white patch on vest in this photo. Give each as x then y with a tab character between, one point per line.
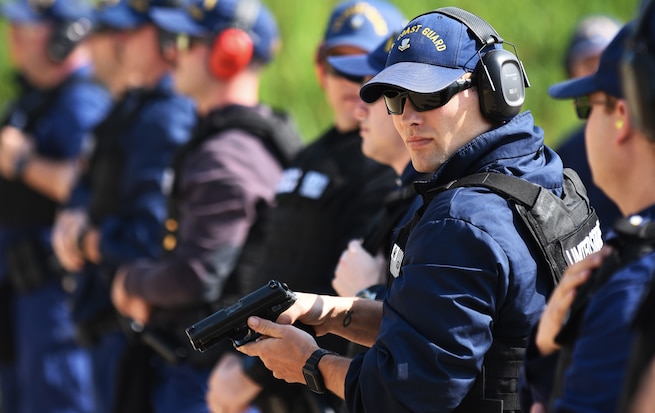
397	255
590	244
167	179
289	180
313	184
403	371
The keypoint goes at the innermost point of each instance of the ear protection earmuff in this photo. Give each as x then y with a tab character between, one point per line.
637	68
65	36
232	50
500	75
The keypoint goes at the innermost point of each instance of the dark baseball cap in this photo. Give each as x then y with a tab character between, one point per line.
32	11
361	65
591	37
204	18
431	52
362	24
606	79
128	14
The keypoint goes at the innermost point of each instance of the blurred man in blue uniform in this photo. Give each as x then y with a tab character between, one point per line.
118	208
223	189
363	267
594	346
590	38
40	141
466	286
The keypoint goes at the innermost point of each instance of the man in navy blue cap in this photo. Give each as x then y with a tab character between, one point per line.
466	284
582	346
41	137
223	188
119	205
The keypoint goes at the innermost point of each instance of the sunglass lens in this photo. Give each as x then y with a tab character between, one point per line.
395	102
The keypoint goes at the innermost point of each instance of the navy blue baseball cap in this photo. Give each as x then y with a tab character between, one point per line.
362	24
431	52
606	79
207	18
591	37
361	65
128	14
33	11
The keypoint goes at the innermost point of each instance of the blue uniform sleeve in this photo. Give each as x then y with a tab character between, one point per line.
135	232
437	325
79	109
601	352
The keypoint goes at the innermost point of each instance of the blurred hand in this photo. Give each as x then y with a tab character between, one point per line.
13	144
230	389
357	269
537	408
130	306
68	225
560	301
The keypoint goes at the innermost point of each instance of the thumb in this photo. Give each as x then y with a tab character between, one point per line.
355	245
264	327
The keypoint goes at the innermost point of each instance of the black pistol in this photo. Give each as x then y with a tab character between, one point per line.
266	302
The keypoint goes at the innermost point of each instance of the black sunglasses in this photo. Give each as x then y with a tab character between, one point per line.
583	105
395	99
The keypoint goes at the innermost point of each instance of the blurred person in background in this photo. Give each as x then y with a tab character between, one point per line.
363	267
42	135
331	194
223	189
591	36
117	211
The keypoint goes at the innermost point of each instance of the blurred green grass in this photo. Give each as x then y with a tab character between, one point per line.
540	31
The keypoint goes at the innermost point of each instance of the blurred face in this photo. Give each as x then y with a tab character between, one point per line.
108	68
140	52
342	94
380	139
433	136
28	45
585	66
599	132
190	71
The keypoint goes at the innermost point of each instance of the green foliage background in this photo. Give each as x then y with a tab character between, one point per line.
539	29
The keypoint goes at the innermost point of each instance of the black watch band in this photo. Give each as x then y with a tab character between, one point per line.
313	376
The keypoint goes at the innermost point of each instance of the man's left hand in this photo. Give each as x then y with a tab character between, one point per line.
284	349
130	306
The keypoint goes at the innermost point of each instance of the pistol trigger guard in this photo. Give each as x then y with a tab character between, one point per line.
251	335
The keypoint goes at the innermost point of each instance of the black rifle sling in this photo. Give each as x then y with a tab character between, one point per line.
395	206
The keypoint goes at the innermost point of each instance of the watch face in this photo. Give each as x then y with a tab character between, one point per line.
313	380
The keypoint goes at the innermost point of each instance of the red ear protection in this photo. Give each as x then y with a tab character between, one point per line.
231	52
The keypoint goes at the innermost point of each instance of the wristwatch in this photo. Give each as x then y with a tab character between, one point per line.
312	374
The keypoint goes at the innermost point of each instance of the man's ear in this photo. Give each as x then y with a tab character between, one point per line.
622	122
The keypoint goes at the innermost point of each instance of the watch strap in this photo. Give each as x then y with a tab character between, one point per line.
313	376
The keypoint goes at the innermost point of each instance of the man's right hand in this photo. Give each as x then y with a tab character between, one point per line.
68	225
561	299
